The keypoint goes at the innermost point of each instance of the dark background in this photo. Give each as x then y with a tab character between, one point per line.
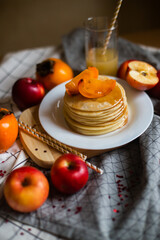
37	23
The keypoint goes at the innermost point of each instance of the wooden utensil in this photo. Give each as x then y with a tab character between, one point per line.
41	153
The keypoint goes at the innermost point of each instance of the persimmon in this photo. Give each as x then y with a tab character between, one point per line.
95	88
52	72
72	86
8	129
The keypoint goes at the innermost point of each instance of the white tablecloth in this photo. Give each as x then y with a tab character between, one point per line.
13	67
22	64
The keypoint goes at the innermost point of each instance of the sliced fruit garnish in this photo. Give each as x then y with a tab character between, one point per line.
72	86
95	88
94	71
141	75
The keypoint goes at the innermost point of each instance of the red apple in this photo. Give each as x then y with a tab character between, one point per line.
26	189
27	92
121	73
155	91
69	173
141	75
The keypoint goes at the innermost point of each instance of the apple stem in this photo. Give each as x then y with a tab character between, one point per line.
70	166
25	182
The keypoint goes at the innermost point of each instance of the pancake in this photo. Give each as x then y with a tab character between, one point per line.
96	116
98	130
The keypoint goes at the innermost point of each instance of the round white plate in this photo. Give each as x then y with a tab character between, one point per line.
52	119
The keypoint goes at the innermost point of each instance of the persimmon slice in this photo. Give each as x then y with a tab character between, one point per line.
94	71
95	88
72	86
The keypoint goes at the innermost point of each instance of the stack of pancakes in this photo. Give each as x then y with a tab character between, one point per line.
96	116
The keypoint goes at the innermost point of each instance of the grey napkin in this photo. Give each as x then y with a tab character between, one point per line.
124	202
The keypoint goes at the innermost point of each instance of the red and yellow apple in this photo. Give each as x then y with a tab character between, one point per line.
155	91
138	74
121	73
26	189
27	92
141	75
69	173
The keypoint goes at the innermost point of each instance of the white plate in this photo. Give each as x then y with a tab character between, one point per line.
52	119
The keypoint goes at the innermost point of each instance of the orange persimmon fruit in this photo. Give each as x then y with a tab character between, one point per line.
8	129
52	71
72	87
95	88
